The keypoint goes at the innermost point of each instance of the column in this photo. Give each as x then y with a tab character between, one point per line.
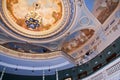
43	75
56	74
2	73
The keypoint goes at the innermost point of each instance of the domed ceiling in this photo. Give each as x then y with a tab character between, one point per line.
37	20
53	34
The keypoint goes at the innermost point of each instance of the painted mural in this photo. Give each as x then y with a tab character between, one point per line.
76	40
102	9
25	47
36	15
39	21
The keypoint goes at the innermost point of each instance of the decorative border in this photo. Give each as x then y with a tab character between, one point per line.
30	56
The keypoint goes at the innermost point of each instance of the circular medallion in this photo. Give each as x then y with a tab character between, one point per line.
84	21
37	20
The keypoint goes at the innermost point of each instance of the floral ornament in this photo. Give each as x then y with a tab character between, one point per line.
33	20
32	23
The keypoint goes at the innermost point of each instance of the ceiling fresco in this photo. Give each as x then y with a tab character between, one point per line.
101	9
37	19
37	15
26	48
77	40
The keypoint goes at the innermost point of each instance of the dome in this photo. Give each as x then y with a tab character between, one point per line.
37	20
